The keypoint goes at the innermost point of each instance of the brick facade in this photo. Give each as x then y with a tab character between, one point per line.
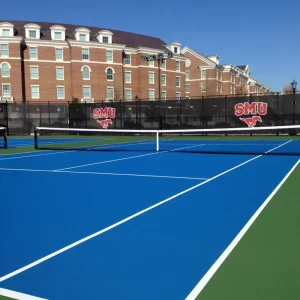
43	69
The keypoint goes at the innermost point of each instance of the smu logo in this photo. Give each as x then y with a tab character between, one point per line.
255	109
107	113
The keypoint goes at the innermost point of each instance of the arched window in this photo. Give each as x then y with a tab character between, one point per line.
5	70
86	72
109	74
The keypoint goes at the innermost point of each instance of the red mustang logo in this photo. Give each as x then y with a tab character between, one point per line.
105	122
251	122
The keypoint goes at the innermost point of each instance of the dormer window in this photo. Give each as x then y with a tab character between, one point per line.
105	37
82	34
176	50
175	47
6	29
58	33
32	31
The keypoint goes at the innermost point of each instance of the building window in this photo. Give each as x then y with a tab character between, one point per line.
203	74
187	88
177	81
34	72
109	56
5	32
87	92
151	63
177	65
164	95
127	59
59	54
128	94
163	80
57	35
35	92
60	92
110	93
85	54
203	87
127	77
187	75
4	51
178	96
217	88
32	34
109	74
176	50
151	77
164	64
6	91
151	95
5	70
105	40
33	52
82	37
86	73
60	73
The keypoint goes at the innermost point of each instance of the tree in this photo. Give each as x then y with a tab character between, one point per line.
287	89
211	87
241	90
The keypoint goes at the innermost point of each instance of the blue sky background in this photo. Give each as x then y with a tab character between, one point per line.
261	34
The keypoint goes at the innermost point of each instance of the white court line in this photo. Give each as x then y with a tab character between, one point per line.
17	295
47	257
103	173
125	158
213	269
41	154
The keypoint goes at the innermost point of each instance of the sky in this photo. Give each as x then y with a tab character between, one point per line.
258	33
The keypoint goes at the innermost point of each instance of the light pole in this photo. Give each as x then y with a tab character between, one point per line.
294	87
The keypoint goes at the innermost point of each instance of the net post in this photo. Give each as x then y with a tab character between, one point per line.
157	141
5	138
35	138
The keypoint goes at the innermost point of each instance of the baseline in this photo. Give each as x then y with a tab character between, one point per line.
17	295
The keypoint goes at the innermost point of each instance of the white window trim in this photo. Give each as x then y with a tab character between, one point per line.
32	27
113	88
1	55
82	31
178	86
163	91
9	66
37	54
37	72
188	72
86	86
113	70
178	93
128	89
164	67
85	59
149	94
34	85
150	72
112	56
151	63
205	77
60	86
7	26
59	29
203	84
90	70
165	75
62	51
189	88
177	63
130	72
63	73
3	89
104	33
130	59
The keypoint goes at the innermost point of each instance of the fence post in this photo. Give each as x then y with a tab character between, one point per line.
28	118
225	107
49	119
6	116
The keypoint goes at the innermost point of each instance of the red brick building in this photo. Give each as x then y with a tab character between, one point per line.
52	62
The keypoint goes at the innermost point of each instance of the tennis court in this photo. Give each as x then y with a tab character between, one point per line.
115	219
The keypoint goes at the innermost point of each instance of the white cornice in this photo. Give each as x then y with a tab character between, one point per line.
198	55
46	43
11	40
96	45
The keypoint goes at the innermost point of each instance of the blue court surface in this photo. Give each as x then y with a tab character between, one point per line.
124	225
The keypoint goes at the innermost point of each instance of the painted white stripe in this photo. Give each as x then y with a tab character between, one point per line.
17	295
210	273
47	257
278	147
103	173
125	158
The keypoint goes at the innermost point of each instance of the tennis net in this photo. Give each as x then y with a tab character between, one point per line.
3	138
275	140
